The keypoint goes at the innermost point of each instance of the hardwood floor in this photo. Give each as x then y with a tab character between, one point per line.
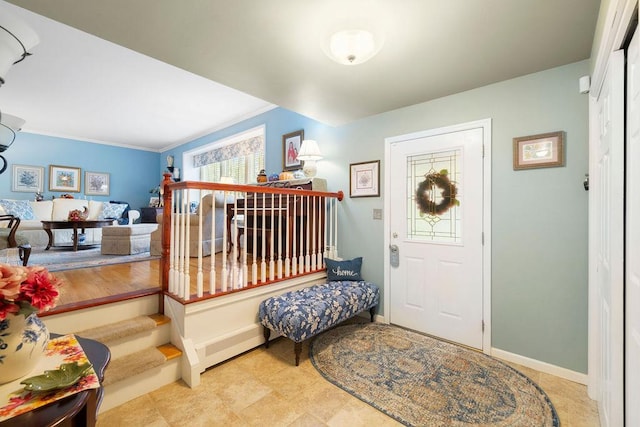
86	286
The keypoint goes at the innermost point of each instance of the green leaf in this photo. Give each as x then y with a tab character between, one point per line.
444	172
65	376
456	202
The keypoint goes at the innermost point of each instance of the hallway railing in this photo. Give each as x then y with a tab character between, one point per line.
223	238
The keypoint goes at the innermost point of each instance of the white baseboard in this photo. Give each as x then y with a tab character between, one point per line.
538	365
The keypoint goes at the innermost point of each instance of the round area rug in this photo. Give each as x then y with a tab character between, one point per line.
422	381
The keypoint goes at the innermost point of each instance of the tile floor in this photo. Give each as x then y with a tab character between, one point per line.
263	387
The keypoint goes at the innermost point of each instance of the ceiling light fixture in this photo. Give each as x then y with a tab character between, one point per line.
16	38
9	125
352	47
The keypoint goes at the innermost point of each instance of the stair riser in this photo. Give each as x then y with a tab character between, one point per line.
93	317
133	343
136	386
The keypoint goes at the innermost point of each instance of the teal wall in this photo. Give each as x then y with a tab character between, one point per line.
539	217
131	172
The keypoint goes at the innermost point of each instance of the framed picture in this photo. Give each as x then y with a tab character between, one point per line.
364	180
96	183
538	151
64	178
27	179
290	147
154	202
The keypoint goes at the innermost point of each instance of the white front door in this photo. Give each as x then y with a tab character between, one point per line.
632	340
606	207
436	225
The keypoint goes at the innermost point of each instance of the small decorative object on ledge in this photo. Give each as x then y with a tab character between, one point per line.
78	215
262	176
285	176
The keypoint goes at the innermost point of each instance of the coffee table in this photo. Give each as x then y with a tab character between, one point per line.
74	225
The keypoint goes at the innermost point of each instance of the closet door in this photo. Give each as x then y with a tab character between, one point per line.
606	207
632	280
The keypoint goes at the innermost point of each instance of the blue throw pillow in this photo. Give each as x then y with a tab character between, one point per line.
112	210
343	270
19	208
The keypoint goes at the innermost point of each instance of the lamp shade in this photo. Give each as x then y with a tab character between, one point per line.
16	38
309	150
9	125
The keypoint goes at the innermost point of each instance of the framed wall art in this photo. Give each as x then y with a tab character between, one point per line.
96	183
364	179
545	150
290	148
64	178
27	179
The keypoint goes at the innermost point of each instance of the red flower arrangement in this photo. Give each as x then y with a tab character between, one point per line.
24	290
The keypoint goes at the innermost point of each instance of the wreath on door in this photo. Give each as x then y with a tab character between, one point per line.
426	193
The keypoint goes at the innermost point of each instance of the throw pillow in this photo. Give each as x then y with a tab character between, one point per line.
19	208
343	270
112	210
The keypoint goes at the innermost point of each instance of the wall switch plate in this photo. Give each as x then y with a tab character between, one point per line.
377	214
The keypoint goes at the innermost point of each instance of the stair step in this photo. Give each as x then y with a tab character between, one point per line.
160	319
119	330
136	363
170	351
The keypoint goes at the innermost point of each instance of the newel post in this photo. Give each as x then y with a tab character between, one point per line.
167	198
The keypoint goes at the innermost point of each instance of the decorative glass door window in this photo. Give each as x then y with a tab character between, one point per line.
434	197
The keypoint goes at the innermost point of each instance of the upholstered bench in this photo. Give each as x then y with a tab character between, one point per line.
301	314
127	239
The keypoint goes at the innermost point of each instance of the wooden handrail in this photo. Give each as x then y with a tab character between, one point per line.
168	269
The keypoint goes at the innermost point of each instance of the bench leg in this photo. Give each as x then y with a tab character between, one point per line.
267	333
372	312
297	349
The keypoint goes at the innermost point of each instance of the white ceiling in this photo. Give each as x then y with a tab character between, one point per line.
81	86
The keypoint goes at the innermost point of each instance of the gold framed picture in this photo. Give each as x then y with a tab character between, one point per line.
64	178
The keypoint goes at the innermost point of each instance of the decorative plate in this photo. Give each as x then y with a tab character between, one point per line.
66	375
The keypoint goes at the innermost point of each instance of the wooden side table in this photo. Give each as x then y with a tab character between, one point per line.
80	409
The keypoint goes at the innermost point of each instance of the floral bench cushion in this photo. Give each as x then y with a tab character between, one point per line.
301	314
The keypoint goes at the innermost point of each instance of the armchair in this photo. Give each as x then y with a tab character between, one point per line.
9	238
205	209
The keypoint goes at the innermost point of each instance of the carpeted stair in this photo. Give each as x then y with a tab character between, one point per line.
119	330
139	353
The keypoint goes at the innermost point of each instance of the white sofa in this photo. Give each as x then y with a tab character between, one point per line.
57	210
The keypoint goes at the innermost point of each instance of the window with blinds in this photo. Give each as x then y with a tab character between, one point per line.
240	157
243	169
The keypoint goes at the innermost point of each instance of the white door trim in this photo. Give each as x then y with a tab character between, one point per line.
486	216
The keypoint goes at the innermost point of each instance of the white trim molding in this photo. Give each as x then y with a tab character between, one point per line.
538	365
